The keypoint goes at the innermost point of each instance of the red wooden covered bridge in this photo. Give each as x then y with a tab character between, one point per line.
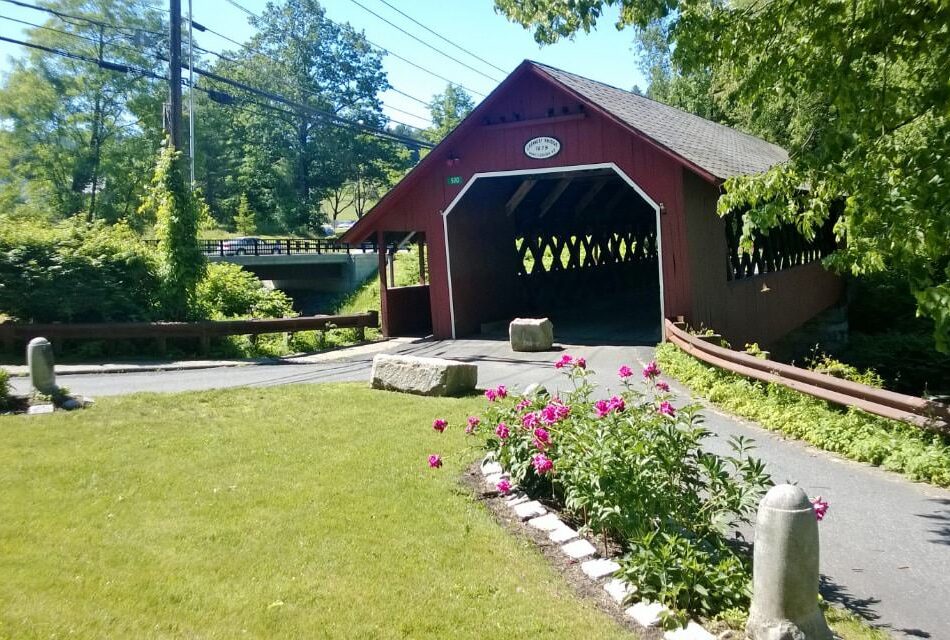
563	197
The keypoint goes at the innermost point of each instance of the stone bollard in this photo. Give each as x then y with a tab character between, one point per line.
785	569
39	358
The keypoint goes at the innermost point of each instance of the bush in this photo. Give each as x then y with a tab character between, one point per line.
228	291
823	363
894	445
4	389
633	469
76	272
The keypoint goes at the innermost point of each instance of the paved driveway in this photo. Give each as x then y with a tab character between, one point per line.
885	542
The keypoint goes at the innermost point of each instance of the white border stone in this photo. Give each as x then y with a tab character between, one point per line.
548	522
619	590
691	631
562	534
597	569
646	614
530	509
579	549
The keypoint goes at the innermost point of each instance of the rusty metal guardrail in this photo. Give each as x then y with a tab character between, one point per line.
881	402
11	333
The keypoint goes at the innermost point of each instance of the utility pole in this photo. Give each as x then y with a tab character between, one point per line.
191	96
174	72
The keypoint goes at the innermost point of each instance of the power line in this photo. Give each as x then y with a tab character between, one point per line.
385	50
123	68
68	17
443	38
420	40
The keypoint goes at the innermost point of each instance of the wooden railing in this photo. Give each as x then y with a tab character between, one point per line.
924	413
11	333
277	246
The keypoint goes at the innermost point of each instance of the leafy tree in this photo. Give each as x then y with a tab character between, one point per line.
177	212
82	125
287	159
859	90
447	110
244	218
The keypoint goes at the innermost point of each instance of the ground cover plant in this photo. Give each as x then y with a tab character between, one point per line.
893	445
298	512
632	469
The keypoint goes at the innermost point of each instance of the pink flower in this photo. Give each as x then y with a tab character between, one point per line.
565	361
473	423
662	386
542	463
580	363
530	420
821	508
439	424
496	394
554	412
601	408
502	431
667	409
503	486
435	461
617	404
541	438
652	370
521	406
625	372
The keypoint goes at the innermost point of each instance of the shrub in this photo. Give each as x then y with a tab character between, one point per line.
76	272
823	363
228	291
633	469
4	389
894	445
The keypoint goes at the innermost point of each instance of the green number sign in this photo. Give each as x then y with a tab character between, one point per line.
454	180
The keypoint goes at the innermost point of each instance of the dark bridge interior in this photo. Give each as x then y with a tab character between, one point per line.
579	247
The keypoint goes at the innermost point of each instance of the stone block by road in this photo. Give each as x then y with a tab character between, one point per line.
423	376
531	334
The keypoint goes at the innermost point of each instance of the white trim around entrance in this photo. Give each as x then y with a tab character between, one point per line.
526	172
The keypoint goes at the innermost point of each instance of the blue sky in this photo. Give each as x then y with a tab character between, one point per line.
605	54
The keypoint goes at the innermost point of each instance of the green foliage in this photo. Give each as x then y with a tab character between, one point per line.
823	363
4	389
448	109
896	446
177	213
244	220
229	291
857	92
640	475
76	271
77	139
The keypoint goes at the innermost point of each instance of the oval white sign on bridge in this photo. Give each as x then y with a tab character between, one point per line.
542	147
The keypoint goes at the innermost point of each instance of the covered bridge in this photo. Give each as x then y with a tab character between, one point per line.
564	197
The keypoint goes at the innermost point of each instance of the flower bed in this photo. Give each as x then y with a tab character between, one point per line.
631	468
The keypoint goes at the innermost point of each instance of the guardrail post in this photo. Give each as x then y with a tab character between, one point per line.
6	336
287	241
161	345
221	248
205	344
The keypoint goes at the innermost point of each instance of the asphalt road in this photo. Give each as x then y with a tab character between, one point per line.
885	543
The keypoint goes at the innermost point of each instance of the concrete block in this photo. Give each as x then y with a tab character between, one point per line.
579	549
646	614
517	498
562	534
548	522
785	569
531	334
530	509
423	376
490	467
619	590
691	631
38	409
597	569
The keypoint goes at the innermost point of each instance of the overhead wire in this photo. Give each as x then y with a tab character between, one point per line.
419	40
124	68
387	51
122	31
441	37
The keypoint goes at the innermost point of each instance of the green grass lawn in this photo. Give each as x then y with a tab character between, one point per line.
297	512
